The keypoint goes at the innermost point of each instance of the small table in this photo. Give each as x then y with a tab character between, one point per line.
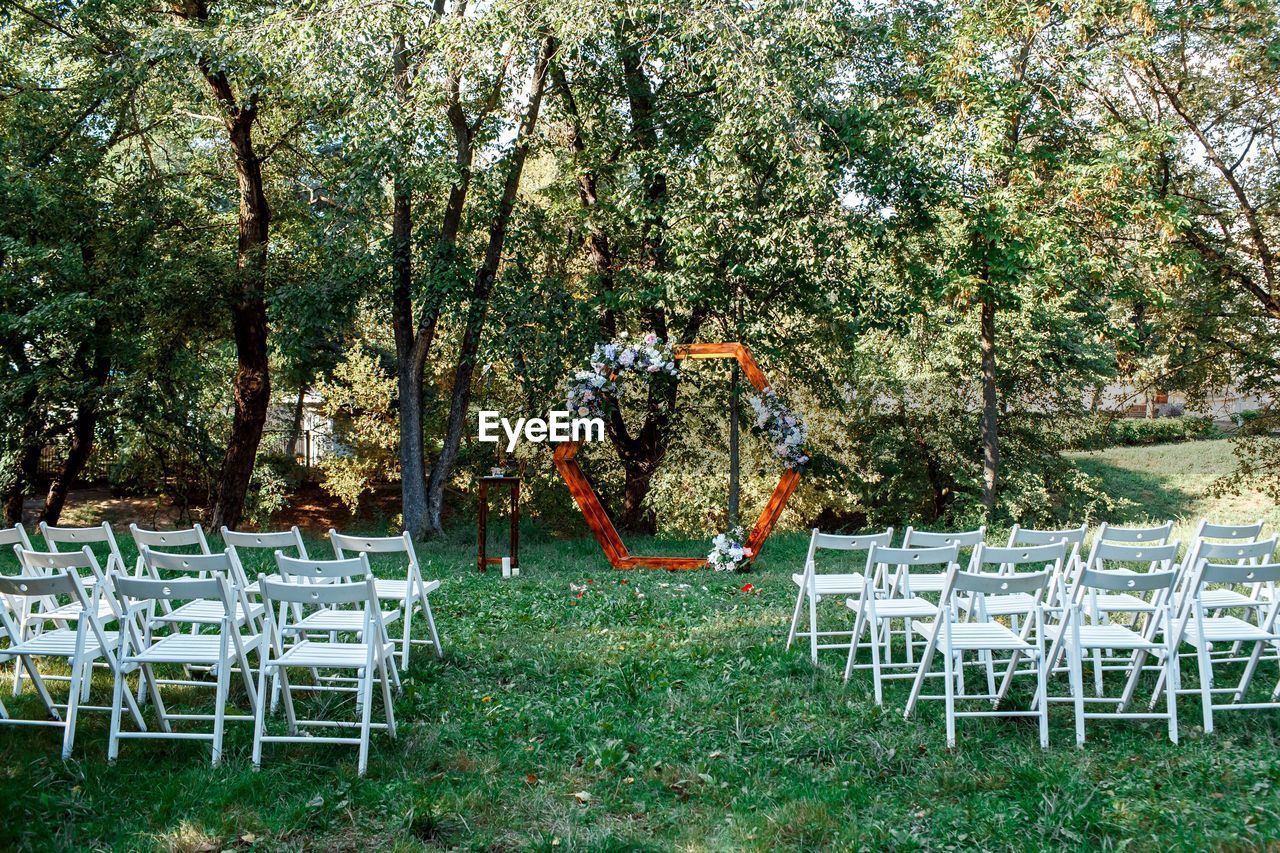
514	484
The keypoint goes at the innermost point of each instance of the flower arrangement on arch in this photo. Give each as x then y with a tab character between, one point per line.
729	551
783	428
590	390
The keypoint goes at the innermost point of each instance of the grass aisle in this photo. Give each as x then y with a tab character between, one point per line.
579	708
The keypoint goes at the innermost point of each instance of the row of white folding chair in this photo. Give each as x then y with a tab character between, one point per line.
1083	625
812	584
140	645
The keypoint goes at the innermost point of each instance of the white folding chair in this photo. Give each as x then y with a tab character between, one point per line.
876	606
143	651
1204	630
329	621
79	646
369	656
78	537
812	584
966	540
167	541
282	540
952	638
1155	535
36	615
1073	536
1087	628
409	594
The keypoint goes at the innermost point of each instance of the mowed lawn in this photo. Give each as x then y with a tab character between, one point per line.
581	708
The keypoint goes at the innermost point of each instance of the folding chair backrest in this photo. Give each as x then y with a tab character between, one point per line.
914	556
323	571
936	539
1136	535
1232	573
1111	553
78	537
343	543
277	589
1127	581
1030	536
16	535
58	561
37	586
188	563
13	537
993	584
837	542
1234	532
173	589
1008	559
1256	552
165	540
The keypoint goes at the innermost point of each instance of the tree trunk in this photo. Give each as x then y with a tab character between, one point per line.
636	516
477	310
28	461
252	387
735	457
411	347
295	426
990	405
84	428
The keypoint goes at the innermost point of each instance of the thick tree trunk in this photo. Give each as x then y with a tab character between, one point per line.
252	387
84	428
478	308
411	346
990	405
249	324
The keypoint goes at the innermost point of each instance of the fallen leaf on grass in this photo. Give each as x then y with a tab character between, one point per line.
583	797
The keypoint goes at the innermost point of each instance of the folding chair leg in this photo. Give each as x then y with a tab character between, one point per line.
118	689
220	710
916	686
387	705
1076	669
1042	694
41	689
73	709
260	709
795	617
1206	684
1247	678
287	693
408	633
854	639
366	711
950	693
431	625
1171	697
875	669
148	675
813	628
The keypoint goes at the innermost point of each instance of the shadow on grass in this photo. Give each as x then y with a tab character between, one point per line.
1144	496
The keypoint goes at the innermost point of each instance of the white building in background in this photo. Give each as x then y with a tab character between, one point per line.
1220	404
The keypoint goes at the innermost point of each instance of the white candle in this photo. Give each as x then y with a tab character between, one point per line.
506	567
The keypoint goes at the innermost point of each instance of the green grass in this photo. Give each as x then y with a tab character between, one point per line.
660	711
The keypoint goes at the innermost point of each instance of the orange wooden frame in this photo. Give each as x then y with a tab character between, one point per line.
598	517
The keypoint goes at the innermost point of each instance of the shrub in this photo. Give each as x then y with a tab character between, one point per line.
1136	432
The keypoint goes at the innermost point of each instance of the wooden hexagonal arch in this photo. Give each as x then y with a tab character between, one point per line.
598	517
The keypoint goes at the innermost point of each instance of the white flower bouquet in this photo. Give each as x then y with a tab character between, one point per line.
783	428
590	390
729	551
